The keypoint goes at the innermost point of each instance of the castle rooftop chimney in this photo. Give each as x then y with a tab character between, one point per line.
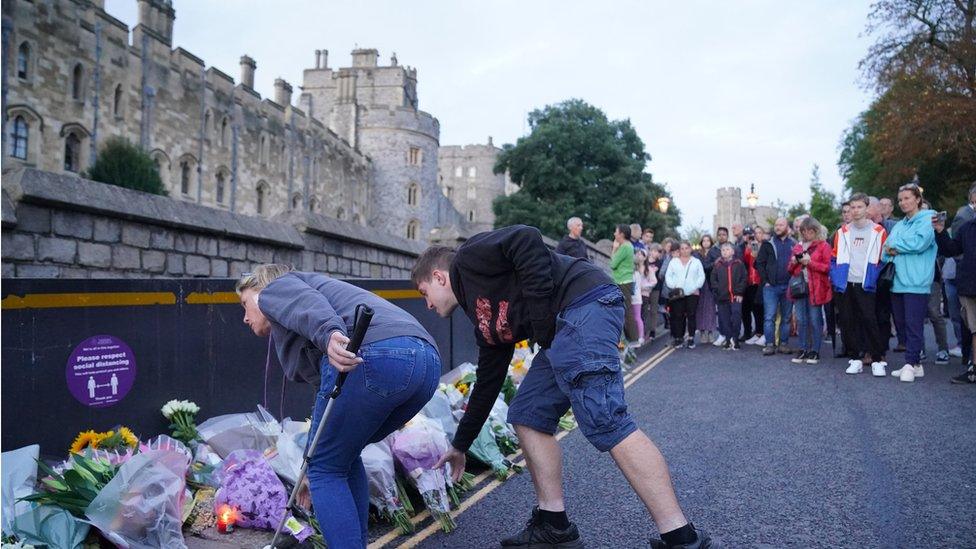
364	58
247	71
282	92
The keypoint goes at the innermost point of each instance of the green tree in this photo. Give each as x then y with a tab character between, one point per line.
824	205
123	164
576	162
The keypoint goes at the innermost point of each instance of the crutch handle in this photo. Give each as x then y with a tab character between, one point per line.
364	315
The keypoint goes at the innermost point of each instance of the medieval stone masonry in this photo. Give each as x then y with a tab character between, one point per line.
353	146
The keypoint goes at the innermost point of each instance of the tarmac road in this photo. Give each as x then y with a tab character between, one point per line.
765	453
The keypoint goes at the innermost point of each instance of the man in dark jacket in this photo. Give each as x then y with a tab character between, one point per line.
963	242
513	288
572	244
771	263
728	283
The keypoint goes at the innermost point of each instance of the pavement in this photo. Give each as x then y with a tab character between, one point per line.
764	453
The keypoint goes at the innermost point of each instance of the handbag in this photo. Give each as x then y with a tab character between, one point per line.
886	278
799	288
675	294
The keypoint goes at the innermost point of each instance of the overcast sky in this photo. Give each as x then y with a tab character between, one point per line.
722	93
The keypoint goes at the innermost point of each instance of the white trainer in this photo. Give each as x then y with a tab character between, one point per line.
751	340
719	341
878	369
919	371
956	352
906	373
761	341
855	366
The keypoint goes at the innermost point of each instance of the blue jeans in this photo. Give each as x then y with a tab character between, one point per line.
396	379
809	319
775	300
581	369
910	311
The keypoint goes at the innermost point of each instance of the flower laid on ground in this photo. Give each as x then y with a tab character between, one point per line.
85	439
418	446
485	449
568	421
74	488
119	439
464	384
182	414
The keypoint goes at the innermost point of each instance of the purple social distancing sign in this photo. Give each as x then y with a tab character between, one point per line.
101	371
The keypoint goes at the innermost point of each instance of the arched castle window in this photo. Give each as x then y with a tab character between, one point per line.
224	132
471	216
296	201
356	218
458	171
412	229
472	172
23	61
313	204
162	166
72	153
185	177
78	83
262	197
117	101
413	194
221	185
19	137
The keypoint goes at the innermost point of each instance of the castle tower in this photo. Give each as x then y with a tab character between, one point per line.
728	210
375	109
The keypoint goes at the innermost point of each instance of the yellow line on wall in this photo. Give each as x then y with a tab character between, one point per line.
94	299
432	528
125	299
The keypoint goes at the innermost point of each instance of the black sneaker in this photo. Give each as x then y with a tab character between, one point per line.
540	535
799	358
969	376
704	541
676	342
813	357
690	343
735	345
769	350
726	345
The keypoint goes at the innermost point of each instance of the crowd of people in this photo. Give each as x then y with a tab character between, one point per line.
875	277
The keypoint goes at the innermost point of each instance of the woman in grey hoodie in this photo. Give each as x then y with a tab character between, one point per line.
309	317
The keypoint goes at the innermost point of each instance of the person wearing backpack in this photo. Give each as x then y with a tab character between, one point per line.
729	279
810	262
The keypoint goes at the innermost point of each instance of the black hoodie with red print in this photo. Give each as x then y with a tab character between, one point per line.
512	287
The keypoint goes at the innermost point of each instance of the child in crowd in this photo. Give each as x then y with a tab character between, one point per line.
728	283
636	300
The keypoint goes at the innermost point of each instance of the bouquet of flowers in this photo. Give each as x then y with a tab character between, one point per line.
417	447
118	439
508	442
76	485
383	493
250	485
485	449
182	415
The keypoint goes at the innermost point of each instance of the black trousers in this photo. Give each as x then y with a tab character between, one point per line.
882	311
862	323
683	316
752	312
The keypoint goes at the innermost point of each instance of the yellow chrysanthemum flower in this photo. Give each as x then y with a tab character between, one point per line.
85	439
128	437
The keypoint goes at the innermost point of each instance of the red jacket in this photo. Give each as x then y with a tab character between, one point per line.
818	271
750	262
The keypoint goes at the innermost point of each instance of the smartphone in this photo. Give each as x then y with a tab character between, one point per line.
942	216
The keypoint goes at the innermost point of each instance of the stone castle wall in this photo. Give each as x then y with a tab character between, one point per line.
466	177
59	226
216	142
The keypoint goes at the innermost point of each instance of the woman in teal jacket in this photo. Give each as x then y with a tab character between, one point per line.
911	247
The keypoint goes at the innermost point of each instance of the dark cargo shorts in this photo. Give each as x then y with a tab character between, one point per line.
580	369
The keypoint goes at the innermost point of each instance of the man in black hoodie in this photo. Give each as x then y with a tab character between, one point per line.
513	288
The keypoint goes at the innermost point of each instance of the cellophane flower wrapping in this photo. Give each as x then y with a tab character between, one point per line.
438	409
249	484
417	447
142	506
383	494
485	449
505	436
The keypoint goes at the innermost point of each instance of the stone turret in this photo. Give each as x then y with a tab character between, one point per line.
282	92
247	71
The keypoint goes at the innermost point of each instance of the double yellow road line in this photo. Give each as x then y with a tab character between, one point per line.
629	379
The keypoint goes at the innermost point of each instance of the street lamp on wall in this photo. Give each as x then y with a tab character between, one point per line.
752	198
663	203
